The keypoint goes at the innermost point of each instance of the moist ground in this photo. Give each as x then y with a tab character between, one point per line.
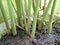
40	38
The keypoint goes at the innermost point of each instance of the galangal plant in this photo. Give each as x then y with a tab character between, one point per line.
23	11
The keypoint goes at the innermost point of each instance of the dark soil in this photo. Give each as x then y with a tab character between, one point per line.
40	39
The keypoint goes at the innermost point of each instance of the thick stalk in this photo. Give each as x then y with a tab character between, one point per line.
19	12
35	18
11	13
4	15
47	10
51	16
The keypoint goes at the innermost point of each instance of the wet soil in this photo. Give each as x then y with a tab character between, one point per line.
40	38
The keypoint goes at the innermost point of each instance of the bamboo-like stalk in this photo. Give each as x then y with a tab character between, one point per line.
11	13
19	12
26	4
44	7
33	4
51	17
47	9
24	17
39	24
40	4
35	18
4	16
13	6
29	15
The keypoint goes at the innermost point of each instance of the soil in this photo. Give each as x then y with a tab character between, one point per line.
40	38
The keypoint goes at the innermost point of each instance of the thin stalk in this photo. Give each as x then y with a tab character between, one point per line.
44	7
26	6
26	10
47	10
25	24
35	18
33	4
4	15
11	13
29	15
24	17
13	6
19	12
40	4
39	24
51	16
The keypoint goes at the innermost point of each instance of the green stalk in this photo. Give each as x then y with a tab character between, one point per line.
35	18
26	4
19	12
11	12
40	4
13	6
51	16
4	15
44	7
47	10
29	14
